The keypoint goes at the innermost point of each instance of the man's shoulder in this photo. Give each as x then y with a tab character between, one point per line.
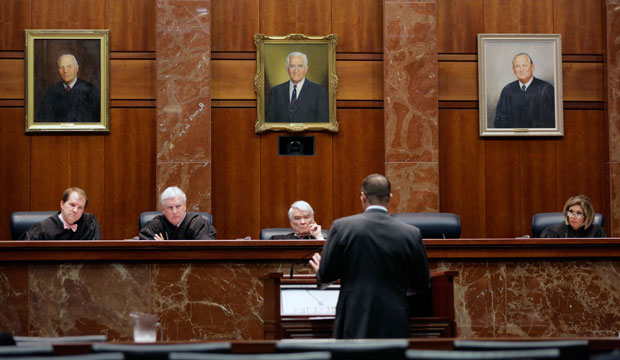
84	84
540	82
513	85
281	86
88	217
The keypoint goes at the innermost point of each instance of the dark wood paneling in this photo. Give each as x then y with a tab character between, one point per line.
285	179
525	16
68	14
236	173
61	161
132	24
14	18
359	25
12	75
301	17
581	24
233	25
133	79
358	152
458	81
462	170
15	165
582	159
129	170
458	24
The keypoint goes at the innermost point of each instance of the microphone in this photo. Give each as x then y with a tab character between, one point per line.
302	259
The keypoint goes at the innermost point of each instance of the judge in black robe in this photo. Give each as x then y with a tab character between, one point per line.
578	221
301	217
562	230
532	108
193	227
378	260
52	228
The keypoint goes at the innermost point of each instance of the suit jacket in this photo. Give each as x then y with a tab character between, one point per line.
80	104
533	108
377	259
312	104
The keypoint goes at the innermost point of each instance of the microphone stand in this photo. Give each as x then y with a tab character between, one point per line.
302	259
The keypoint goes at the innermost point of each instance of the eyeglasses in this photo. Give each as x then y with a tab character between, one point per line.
571	213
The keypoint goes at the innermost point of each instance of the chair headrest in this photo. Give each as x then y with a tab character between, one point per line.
433	225
541	221
24	220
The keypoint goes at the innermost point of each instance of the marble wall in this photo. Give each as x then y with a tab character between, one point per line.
224	300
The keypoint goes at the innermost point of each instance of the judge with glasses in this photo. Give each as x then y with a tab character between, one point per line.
578	221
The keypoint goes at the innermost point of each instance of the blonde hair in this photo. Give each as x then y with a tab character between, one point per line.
586	205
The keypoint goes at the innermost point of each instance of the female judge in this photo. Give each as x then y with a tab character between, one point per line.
578	221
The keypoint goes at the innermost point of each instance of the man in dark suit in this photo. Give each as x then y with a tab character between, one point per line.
378	260
298	100
70	100
527	102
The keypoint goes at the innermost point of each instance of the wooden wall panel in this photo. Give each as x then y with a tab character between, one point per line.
233	79
458	25
300	17
581	24
462	170
513	17
61	161
233	25
14	165
348	15
68	14
14	18
132	23
582	158
129	170
458	81
133	79
285	179
236	173
358	152
12	75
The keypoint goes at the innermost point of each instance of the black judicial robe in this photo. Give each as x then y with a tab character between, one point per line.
193	227
533	108
52	229
378	259
80	104
290	236
562	230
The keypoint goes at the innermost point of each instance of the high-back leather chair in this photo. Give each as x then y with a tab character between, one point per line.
433	225
149	215
267	233
541	221
23	220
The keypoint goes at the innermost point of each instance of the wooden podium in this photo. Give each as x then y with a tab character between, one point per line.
296	308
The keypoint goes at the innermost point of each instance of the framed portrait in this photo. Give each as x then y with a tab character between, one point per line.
520	85
67	77
296	83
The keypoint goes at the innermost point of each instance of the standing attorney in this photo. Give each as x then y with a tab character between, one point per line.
298	100
378	260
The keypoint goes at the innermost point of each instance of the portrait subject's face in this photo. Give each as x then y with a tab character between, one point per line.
174	209
523	68
72	209
67	68
296	68
301	221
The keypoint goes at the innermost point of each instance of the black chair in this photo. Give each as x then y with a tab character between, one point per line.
612	355
160	351
21	351
149	215
541	221
267	233
23	220
541	354
569	349
349	349
433	225
32	340
313	355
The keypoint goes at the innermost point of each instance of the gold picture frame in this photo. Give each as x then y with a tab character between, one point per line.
313	111
54	58
505	108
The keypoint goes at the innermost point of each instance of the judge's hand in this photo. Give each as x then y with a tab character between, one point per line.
315	262
315	230
159	236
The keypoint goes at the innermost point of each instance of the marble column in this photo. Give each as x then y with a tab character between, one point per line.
410	102
184	99
613	109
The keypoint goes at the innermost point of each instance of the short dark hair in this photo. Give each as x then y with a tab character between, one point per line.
377	189
69	191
